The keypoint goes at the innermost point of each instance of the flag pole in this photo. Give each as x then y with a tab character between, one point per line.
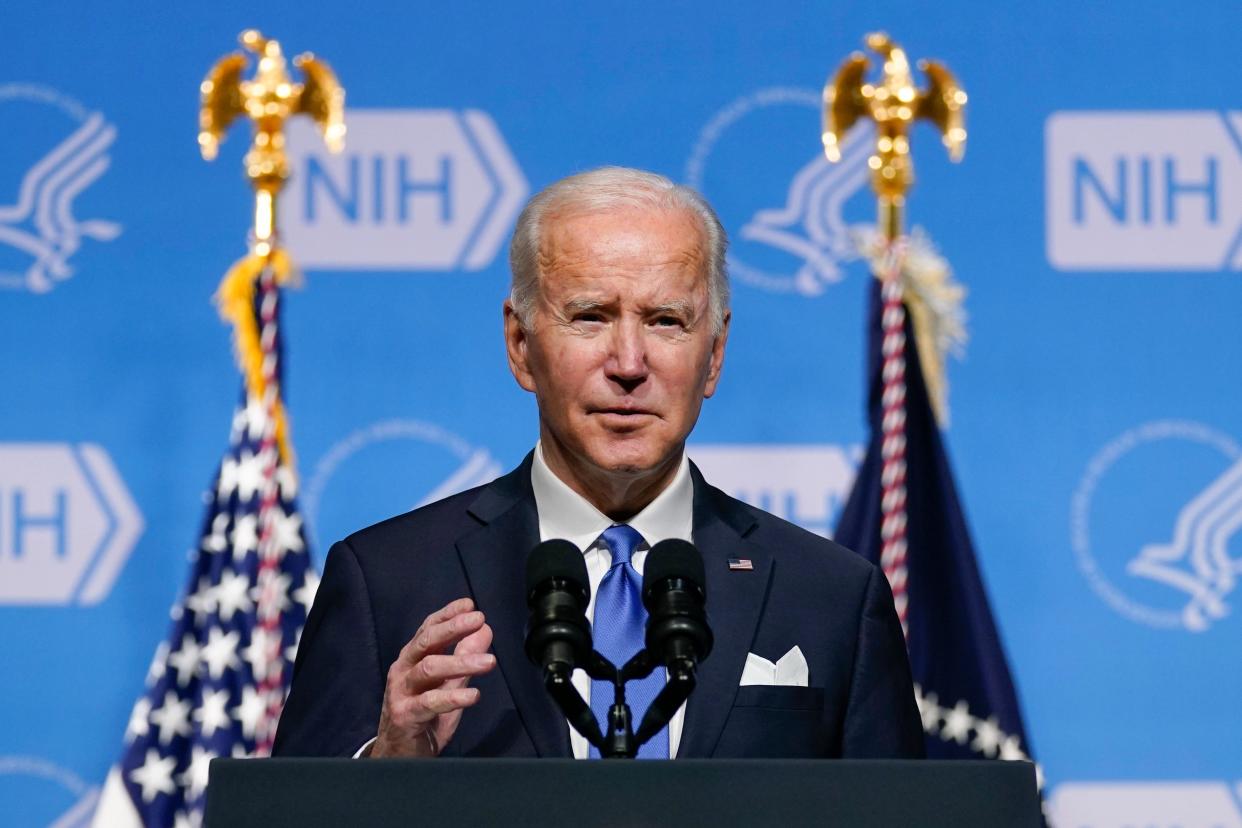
268	100
894	104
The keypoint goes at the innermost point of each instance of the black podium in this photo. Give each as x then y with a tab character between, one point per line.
330	792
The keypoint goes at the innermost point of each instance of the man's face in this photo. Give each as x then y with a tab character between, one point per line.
620	351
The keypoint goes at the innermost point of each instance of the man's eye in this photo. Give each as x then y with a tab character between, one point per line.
588	317
669	322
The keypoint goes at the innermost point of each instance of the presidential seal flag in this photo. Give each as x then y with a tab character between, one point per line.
216	686
904	514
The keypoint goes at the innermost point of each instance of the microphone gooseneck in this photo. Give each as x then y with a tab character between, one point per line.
558	635
678	635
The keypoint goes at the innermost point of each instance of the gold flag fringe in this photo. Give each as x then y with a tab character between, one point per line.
235	299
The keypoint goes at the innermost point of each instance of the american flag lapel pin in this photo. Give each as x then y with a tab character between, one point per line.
740	565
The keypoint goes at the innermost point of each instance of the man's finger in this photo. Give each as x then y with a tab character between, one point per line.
448	611
479	641
445	613
434	670
434	638
426	706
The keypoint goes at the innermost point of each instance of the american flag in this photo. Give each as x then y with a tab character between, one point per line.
216	685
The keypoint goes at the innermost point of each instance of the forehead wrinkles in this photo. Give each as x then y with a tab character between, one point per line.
576	245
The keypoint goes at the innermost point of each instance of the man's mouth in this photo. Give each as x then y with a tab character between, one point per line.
624	411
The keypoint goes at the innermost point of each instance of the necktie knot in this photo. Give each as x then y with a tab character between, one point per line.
621	541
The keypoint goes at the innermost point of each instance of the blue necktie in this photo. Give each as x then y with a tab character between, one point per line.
618	630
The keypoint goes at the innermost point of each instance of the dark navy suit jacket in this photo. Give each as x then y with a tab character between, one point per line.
379	584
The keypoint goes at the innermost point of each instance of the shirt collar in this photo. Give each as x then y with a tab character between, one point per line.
563	513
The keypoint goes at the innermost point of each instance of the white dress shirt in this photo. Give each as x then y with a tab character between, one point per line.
563	513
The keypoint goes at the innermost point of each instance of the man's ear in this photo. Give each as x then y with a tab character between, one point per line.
717	359
516	342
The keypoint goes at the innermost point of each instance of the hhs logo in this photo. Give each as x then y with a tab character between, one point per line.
62	151
806	485
1144	190
1157	524
790	228
388	468
67	523
414	190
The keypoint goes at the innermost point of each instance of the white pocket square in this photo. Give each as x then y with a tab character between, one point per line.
790	670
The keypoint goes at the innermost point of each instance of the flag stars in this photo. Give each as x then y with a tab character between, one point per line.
1010	749
255	418
271	593
929	710
201	602
220	653
291	652
212	714
204	697
957	723
258	651
245	536
287	531
185	660
989	741
987	737
155	775
216	540
139	724
249	475
172	718
226	483
250	712
194	778
232	595
305	594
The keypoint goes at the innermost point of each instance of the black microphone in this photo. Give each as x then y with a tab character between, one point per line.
558	636
677	631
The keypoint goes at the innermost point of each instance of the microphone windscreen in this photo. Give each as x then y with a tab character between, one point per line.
556	559
673	558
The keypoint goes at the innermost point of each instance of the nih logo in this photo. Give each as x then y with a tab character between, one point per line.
415	189
67	523
1144	190
804	484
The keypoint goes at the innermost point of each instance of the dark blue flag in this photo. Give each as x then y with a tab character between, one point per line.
965	691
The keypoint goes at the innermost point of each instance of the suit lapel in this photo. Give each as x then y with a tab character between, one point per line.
494	559
734	603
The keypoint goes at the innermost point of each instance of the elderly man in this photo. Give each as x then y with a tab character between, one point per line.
617	323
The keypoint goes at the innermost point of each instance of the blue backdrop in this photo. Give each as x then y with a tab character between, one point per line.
1096	220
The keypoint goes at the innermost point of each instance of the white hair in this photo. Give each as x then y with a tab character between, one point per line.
604	189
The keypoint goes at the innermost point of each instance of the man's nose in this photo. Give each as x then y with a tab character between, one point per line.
627	358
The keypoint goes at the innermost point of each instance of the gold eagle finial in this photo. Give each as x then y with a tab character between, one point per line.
894	103
268	100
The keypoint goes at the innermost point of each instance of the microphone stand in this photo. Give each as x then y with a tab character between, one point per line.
620	742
